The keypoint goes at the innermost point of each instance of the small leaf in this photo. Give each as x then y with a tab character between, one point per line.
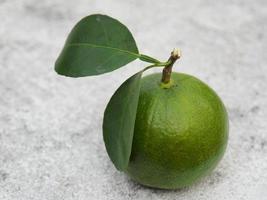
96	45
119	121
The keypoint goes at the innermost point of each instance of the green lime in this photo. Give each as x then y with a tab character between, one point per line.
181	132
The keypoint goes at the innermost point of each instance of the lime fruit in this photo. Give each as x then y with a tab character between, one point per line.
181	132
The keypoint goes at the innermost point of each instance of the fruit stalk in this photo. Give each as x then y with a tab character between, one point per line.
166	73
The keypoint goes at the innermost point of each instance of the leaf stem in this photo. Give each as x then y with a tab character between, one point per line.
166	73
161	64
148	59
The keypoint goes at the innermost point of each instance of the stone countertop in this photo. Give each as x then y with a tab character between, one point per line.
51	143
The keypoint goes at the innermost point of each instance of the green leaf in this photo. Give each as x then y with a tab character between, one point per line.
119	121
96	45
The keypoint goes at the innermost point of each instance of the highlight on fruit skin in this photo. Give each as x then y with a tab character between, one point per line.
180	133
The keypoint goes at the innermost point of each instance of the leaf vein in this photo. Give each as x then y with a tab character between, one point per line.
105	47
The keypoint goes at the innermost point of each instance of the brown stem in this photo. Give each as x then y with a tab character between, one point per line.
166	73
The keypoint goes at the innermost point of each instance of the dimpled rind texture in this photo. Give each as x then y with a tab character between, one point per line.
180	133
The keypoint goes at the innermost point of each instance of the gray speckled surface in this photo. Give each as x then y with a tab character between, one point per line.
50	127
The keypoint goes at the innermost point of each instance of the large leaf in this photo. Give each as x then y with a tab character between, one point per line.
96	45
119	120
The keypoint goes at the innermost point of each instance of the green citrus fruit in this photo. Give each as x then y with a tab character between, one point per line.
181	132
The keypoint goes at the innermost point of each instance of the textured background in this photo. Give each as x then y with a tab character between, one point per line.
51	144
